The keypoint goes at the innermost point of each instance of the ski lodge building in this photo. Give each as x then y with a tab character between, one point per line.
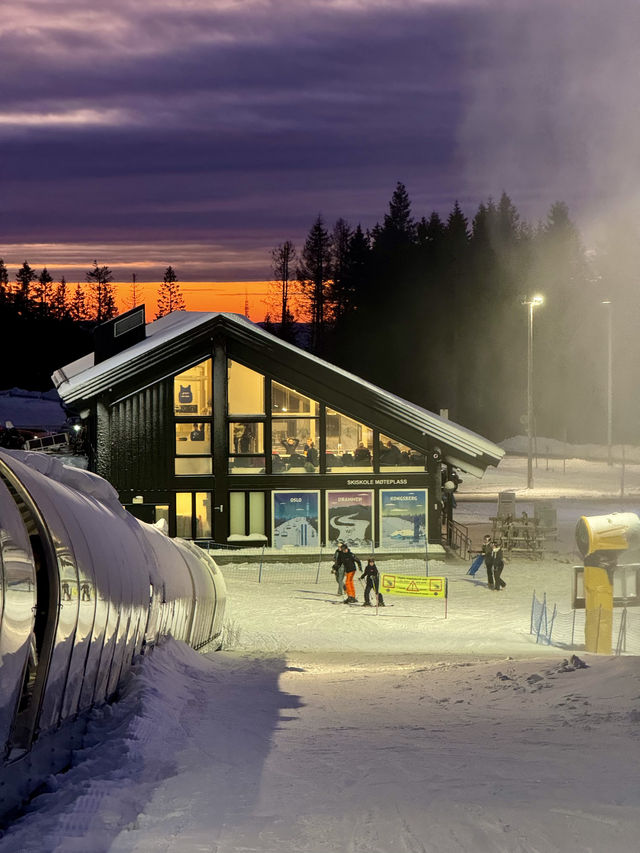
232	435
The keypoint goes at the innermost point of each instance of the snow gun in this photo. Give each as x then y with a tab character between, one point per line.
601	539
611	534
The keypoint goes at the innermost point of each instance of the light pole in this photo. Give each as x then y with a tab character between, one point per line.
607	302
531	302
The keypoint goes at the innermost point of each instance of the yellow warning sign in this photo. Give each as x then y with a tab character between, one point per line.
412	585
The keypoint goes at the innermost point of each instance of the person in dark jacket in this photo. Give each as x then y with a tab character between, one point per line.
362	455
338	569
488	560
372	575
349	560
390	454
497	562
311	453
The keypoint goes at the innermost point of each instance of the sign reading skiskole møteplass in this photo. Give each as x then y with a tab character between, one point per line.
379	481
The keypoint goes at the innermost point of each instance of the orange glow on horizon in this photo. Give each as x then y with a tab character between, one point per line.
228	296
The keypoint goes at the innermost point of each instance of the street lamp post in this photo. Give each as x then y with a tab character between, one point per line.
531	303
607	302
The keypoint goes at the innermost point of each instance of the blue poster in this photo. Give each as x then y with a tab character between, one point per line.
296	517
403	517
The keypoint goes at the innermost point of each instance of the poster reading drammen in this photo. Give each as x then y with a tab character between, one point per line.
403	517
295	518
350	518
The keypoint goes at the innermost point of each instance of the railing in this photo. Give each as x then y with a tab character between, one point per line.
458	538
48	442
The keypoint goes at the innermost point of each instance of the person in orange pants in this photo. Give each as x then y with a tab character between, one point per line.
349	560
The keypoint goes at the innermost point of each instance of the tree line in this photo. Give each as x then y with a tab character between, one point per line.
45	324
435	310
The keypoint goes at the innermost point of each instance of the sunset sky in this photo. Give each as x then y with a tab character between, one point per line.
201	133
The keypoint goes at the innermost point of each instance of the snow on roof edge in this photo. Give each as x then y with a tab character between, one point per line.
178	322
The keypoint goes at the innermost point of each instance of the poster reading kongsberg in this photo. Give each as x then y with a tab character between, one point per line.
403	517
295	518
350	518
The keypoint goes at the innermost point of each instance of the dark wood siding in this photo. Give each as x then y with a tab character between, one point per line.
141	439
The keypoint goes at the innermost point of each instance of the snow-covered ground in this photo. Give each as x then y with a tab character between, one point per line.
324	728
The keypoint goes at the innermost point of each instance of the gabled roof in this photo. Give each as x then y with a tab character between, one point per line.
182	337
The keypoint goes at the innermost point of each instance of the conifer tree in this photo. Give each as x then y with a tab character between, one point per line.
170	296
78	306
340	295
24	279
42	291
102	299
315	276
59	300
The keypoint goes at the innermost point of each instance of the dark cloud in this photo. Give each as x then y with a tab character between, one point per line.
234	124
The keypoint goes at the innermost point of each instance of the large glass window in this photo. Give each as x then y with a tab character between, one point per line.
294	431
245	390
192	396
294	445
192	390
348	443
397	456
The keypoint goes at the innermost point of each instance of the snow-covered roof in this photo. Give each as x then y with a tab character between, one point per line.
167	340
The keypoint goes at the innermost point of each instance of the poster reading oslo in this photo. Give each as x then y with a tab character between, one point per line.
295	518
350	517
403	517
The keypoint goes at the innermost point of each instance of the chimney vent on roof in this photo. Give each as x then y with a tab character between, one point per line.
119	334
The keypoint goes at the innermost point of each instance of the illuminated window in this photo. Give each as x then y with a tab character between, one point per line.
348	443
294	431
162	512
246	447
193	439
294	445
202	502
245	390
192	390
185	465
286	402
397	456
246	513
193	515
246	438
184	515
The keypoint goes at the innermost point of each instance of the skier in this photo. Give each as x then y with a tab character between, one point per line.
348	560
372	575
337	568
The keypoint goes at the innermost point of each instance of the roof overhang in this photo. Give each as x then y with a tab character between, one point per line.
182	338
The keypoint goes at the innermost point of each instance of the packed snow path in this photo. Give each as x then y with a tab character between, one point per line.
321	754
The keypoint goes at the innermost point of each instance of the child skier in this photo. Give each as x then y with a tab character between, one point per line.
372	575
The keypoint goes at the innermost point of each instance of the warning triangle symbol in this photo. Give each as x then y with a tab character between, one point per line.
412	587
